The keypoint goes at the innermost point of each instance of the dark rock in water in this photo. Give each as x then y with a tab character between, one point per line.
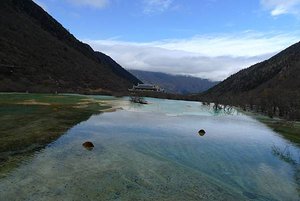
249	195
88	145
201	132
137	99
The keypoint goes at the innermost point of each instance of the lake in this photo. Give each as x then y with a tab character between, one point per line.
142	152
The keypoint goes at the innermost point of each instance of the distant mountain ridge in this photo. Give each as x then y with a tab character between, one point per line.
178	84
272	85
48	58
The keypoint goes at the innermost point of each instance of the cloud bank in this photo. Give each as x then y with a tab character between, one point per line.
213	57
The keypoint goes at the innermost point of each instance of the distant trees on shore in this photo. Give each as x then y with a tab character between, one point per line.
273	103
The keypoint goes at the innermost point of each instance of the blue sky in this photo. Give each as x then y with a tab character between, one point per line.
205	38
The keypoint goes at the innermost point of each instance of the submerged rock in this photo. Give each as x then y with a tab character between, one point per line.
88	145
137	99
201	132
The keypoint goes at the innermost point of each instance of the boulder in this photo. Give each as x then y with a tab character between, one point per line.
201	132
88	145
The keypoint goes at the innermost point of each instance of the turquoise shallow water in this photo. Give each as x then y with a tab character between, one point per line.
154	152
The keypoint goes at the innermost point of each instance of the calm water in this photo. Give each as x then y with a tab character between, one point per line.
154	152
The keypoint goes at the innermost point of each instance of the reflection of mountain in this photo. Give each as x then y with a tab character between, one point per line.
38	54
178	84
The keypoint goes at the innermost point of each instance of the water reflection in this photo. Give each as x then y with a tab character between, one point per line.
218	109
286	155
153	152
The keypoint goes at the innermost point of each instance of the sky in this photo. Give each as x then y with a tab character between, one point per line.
204	38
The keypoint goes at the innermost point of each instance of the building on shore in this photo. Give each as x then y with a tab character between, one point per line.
146	87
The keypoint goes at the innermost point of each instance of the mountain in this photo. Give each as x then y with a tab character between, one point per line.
38	54
178	84
272	85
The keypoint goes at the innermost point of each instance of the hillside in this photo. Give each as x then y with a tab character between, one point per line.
38	54
273	85
177	84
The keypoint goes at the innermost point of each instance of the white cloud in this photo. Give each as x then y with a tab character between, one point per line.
156	6
90	3
213	57
281	7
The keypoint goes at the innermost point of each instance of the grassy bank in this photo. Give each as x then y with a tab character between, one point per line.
290	130
29	122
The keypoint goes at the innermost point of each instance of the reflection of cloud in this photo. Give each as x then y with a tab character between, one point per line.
154	6
279	7
90	3
212	57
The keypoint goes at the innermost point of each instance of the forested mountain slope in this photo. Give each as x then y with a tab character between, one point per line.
272	85
38	54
